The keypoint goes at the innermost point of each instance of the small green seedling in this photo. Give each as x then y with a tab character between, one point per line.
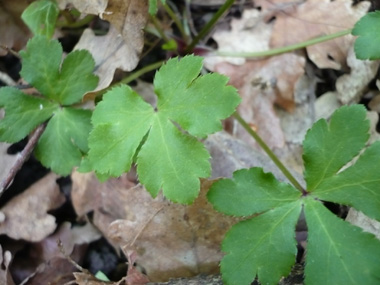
337	252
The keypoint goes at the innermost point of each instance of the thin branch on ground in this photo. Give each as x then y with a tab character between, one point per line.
22	157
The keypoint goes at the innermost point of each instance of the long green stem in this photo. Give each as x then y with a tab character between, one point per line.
157	25
269	152
285	49
206	29
174	17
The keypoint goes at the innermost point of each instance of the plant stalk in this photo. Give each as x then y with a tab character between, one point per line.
277	51
269	152
178	23
207	28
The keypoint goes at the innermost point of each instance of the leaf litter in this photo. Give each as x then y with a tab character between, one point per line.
274	99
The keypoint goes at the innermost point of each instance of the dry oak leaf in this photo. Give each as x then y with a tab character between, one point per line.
88	7
26	214
171	240
14	33
315	18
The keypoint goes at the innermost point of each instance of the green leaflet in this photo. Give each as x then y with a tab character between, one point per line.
367	44
64	141
328	147
251	191
169	158
357	186
22	114
41	67
338	252
264	246
41	16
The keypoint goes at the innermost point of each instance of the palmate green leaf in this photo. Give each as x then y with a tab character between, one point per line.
328	147
22	114
250	191
169	158
338	252
41	16
367	45
41	67
264	246
64	140
357	186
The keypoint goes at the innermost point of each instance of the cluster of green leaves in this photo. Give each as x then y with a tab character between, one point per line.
164	142
367	45
337	252
61	85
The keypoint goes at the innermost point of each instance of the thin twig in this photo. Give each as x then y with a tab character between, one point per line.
12	51
22	157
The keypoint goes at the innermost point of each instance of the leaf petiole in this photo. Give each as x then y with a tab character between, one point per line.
270	153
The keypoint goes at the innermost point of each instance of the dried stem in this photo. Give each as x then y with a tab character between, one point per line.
22	157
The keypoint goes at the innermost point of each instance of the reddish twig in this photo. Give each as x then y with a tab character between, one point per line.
22	157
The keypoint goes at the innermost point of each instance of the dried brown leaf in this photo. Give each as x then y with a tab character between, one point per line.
14	33
171	240
313	18
88	7
26	215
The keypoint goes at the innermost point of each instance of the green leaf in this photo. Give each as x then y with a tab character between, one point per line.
169	158
41	68
64	140
328	147
120	121
153	6
264	246
367	45
338	252
23	113
358	185
172	160
41	16
250	191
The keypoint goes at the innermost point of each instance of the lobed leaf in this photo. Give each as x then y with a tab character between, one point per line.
251	191
64	140
357	186
338	252
41	16
367	44
264	246
41	68
169	158
328	147
23	113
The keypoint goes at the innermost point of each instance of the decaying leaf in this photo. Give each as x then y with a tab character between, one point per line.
350	87
171	240
262	83
6	159
88	7
304	20
14	33
359	219
26	215
5	260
